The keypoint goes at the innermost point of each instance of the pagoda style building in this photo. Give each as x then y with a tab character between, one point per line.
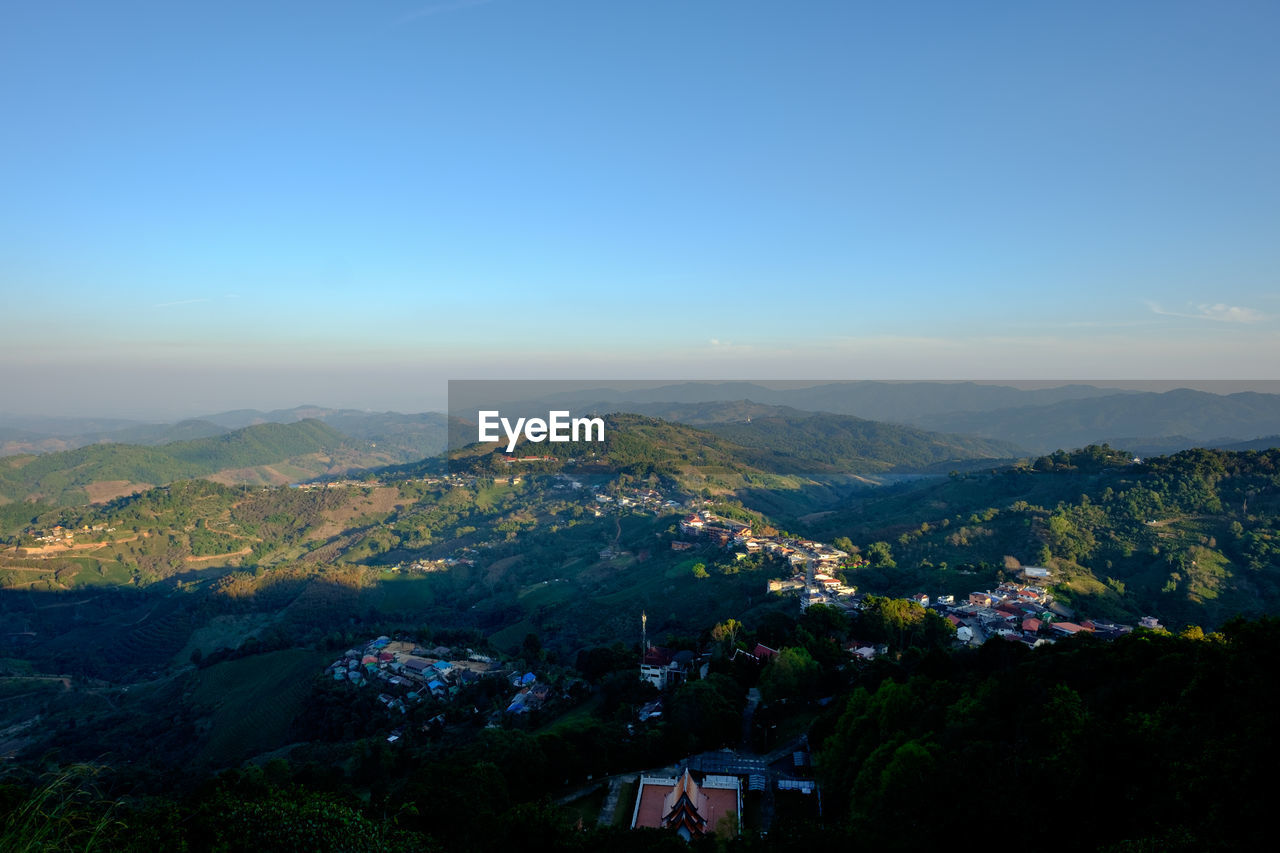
690	808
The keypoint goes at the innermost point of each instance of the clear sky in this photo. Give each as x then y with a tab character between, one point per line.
211	204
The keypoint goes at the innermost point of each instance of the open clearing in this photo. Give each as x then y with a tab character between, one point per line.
241	553
107	490
378	500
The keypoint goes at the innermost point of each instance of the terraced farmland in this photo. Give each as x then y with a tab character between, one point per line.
252	701
140	645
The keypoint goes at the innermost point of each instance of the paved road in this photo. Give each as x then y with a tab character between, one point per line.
611	799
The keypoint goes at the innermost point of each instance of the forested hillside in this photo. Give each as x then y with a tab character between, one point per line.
1191	538
190	626
63	477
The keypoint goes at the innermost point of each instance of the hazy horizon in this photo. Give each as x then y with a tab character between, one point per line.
439	401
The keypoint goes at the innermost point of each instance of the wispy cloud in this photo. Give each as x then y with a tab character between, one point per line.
1097	324
178	302
1218	312
718	348
432	9
196	301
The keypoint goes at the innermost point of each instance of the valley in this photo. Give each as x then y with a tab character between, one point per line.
190	624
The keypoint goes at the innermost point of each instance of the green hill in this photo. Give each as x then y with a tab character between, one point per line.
643	447
163	653
1189	538
62	477
819	441
751	438
404	437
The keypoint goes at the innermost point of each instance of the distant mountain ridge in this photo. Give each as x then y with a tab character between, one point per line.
406	437
869	399
1025	420
775	441
1194	416
1039	420
1264	443
863	446
831	441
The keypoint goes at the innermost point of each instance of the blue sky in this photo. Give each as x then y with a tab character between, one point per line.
216	204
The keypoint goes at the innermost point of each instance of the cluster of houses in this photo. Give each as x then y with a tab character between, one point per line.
800	554
330	484
530	694
636	499
665	668
1011	611
647	500
348	483
58	533
1022	612
429	566
812	562
1018	612
406	674
707	525
506	459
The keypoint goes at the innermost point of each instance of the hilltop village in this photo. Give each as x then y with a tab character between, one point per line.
408	676
641	654
426	690
1024	612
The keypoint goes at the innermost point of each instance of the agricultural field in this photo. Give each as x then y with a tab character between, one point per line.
251	702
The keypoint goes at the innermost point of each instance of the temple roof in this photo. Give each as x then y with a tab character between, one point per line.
690	808
683	804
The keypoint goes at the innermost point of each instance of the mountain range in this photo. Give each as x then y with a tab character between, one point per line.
1036	420
860	428
405	437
